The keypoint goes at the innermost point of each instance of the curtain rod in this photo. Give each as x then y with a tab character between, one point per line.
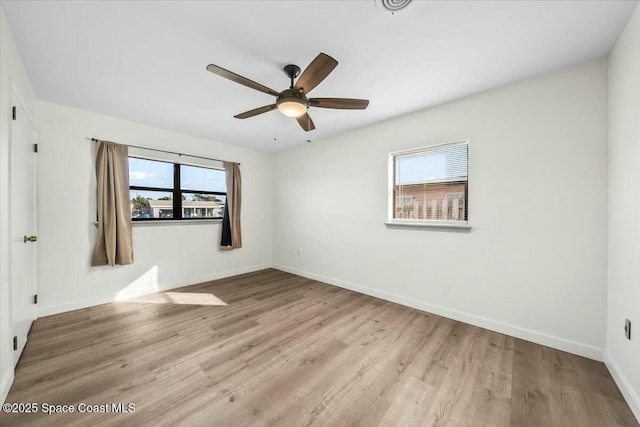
165	151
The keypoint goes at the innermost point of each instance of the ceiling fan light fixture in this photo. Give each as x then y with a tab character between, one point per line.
291	106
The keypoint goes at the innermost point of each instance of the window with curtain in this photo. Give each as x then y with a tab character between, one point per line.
162	190
429	185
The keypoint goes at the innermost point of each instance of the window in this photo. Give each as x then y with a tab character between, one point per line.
429	185
174	191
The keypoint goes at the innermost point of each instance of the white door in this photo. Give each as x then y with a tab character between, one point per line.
23	226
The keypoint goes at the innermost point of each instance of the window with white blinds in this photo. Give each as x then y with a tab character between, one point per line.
429	185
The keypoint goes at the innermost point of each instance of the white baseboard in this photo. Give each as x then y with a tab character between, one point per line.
104	299
628	392
483	322
5	384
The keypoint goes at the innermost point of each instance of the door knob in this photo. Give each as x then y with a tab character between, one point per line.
30	239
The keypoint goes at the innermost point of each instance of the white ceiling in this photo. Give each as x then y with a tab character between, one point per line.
145	61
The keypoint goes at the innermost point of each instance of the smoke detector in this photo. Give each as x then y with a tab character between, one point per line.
393	6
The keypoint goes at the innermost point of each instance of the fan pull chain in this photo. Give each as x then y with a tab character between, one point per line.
275	135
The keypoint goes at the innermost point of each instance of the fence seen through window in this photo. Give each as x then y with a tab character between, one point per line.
430	184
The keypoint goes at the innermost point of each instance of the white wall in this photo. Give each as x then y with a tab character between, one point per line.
166	256
13	77
623	356
534	263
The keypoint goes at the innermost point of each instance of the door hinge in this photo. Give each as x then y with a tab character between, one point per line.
35	299
35	148
13	113
15	343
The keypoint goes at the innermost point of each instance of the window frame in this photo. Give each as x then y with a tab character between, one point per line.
176	191
437	223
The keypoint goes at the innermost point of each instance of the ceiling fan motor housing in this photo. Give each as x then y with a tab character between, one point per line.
292	103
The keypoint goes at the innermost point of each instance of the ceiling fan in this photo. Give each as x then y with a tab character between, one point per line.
293	102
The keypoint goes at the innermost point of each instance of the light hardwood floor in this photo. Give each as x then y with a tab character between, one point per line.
291	351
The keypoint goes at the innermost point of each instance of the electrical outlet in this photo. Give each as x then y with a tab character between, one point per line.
627	328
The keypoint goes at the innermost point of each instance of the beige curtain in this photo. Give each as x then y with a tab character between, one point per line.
114	244
231	231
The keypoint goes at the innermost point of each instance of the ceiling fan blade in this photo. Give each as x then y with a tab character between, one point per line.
316	72
239	79
305	122
256	111
339	103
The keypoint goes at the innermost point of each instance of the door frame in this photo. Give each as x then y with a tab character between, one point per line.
16	101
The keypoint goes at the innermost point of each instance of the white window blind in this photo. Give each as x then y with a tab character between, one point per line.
430	184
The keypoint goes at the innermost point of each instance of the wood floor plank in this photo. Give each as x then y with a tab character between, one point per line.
282	350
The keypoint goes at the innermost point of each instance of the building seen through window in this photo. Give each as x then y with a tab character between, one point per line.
430	184
169	191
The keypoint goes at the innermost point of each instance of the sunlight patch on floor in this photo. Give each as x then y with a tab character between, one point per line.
179	298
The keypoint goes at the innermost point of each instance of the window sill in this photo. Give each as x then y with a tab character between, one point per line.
176	222
172	222
428	224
